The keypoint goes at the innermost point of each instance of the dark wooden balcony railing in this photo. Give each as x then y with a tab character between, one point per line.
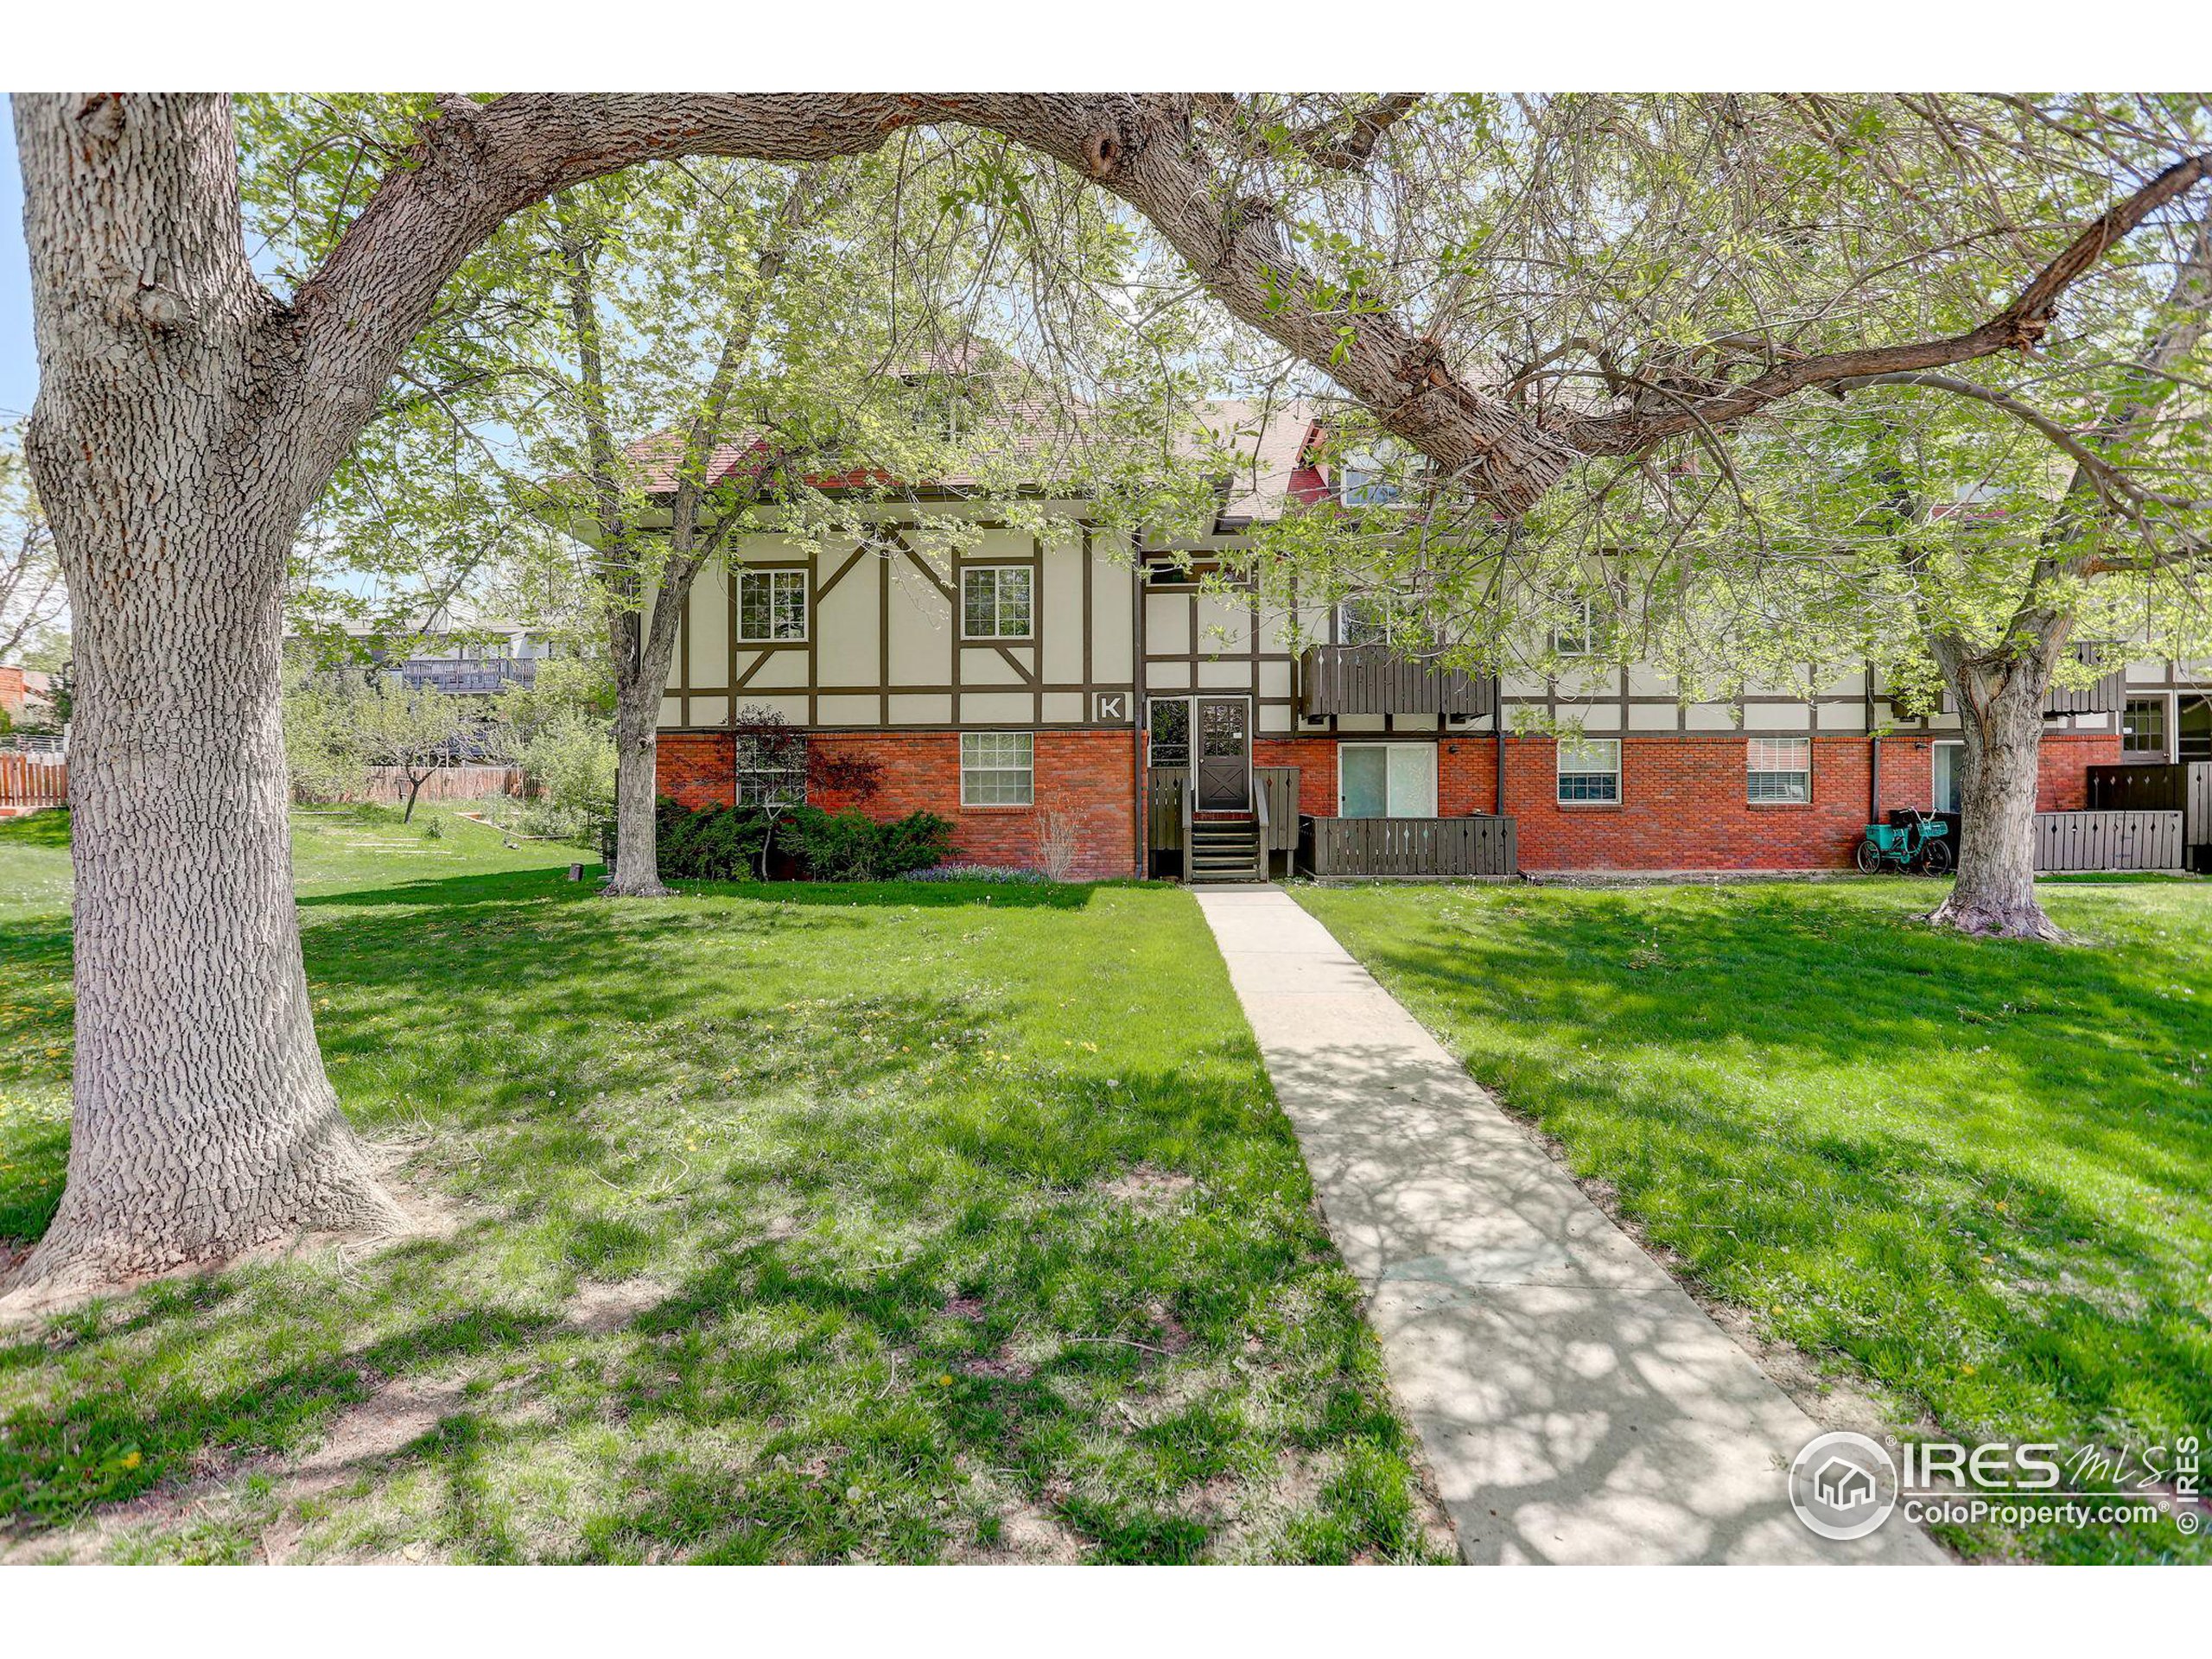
1371	680
2106	695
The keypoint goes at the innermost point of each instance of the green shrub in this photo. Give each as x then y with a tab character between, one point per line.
724	843
568	764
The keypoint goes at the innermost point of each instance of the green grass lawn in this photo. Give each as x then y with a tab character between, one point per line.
894	1223
1978	1175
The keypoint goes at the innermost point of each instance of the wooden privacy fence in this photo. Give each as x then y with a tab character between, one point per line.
1417	849
2108	841
30	782
2185	788
387	786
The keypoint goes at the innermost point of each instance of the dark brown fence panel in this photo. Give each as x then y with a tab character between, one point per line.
1411	849
29	783
1371	680
1280	785
2145	787
2108	841
1164	809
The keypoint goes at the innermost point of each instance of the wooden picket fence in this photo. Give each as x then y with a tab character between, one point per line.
2108	841
30	783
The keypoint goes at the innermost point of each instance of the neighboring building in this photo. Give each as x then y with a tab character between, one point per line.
1083	677
442	651
26	696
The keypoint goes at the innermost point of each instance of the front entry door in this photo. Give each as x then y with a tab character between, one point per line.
1224	755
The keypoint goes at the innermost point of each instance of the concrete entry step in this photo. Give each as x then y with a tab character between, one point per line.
1575	1404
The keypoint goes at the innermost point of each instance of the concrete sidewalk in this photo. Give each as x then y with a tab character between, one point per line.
1575	1404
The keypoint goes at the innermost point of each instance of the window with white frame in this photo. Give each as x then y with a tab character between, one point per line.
997	769
1171	732
995	601
1578	638
770	606
2143	728
1386	781
1946	787
771	769
1363	620
1589	769
1779	771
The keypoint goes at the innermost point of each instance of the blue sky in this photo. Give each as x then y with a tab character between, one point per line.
18	360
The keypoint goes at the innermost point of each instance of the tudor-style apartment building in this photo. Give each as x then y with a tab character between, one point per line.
1087	685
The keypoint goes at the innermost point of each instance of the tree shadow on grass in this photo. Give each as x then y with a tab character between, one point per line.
540	886
1976	1167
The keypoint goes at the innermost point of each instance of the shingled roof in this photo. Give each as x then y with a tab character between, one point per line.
1264	447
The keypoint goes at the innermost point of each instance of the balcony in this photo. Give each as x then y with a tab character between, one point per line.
2106	695
1371	680
464	676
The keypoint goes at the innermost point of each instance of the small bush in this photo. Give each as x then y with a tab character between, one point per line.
724	843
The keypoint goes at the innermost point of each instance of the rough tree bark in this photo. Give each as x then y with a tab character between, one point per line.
186	419
203	1124
2000	718
2000	693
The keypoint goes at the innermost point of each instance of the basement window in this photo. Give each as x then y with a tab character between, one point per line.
772	771
997	768
1779	771
1589	770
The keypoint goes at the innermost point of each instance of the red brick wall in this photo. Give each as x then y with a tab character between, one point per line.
11	690
1316	760
696	768
1087	774
1466	769
1683	806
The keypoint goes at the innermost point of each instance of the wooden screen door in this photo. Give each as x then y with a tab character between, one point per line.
1224	755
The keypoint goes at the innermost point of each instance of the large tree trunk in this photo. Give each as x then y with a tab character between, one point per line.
203	1123
2001	705
637	854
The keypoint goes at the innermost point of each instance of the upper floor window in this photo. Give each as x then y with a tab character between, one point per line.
997	768
770	606
1362	621
1376	477
1590	769
995	601
2143	728
1579	636
1779	771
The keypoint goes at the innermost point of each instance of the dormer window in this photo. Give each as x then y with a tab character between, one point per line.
1376	478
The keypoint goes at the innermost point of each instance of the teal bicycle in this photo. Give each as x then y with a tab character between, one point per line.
1917	845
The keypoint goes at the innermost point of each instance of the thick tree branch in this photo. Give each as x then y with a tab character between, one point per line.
2018	326
1347	144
